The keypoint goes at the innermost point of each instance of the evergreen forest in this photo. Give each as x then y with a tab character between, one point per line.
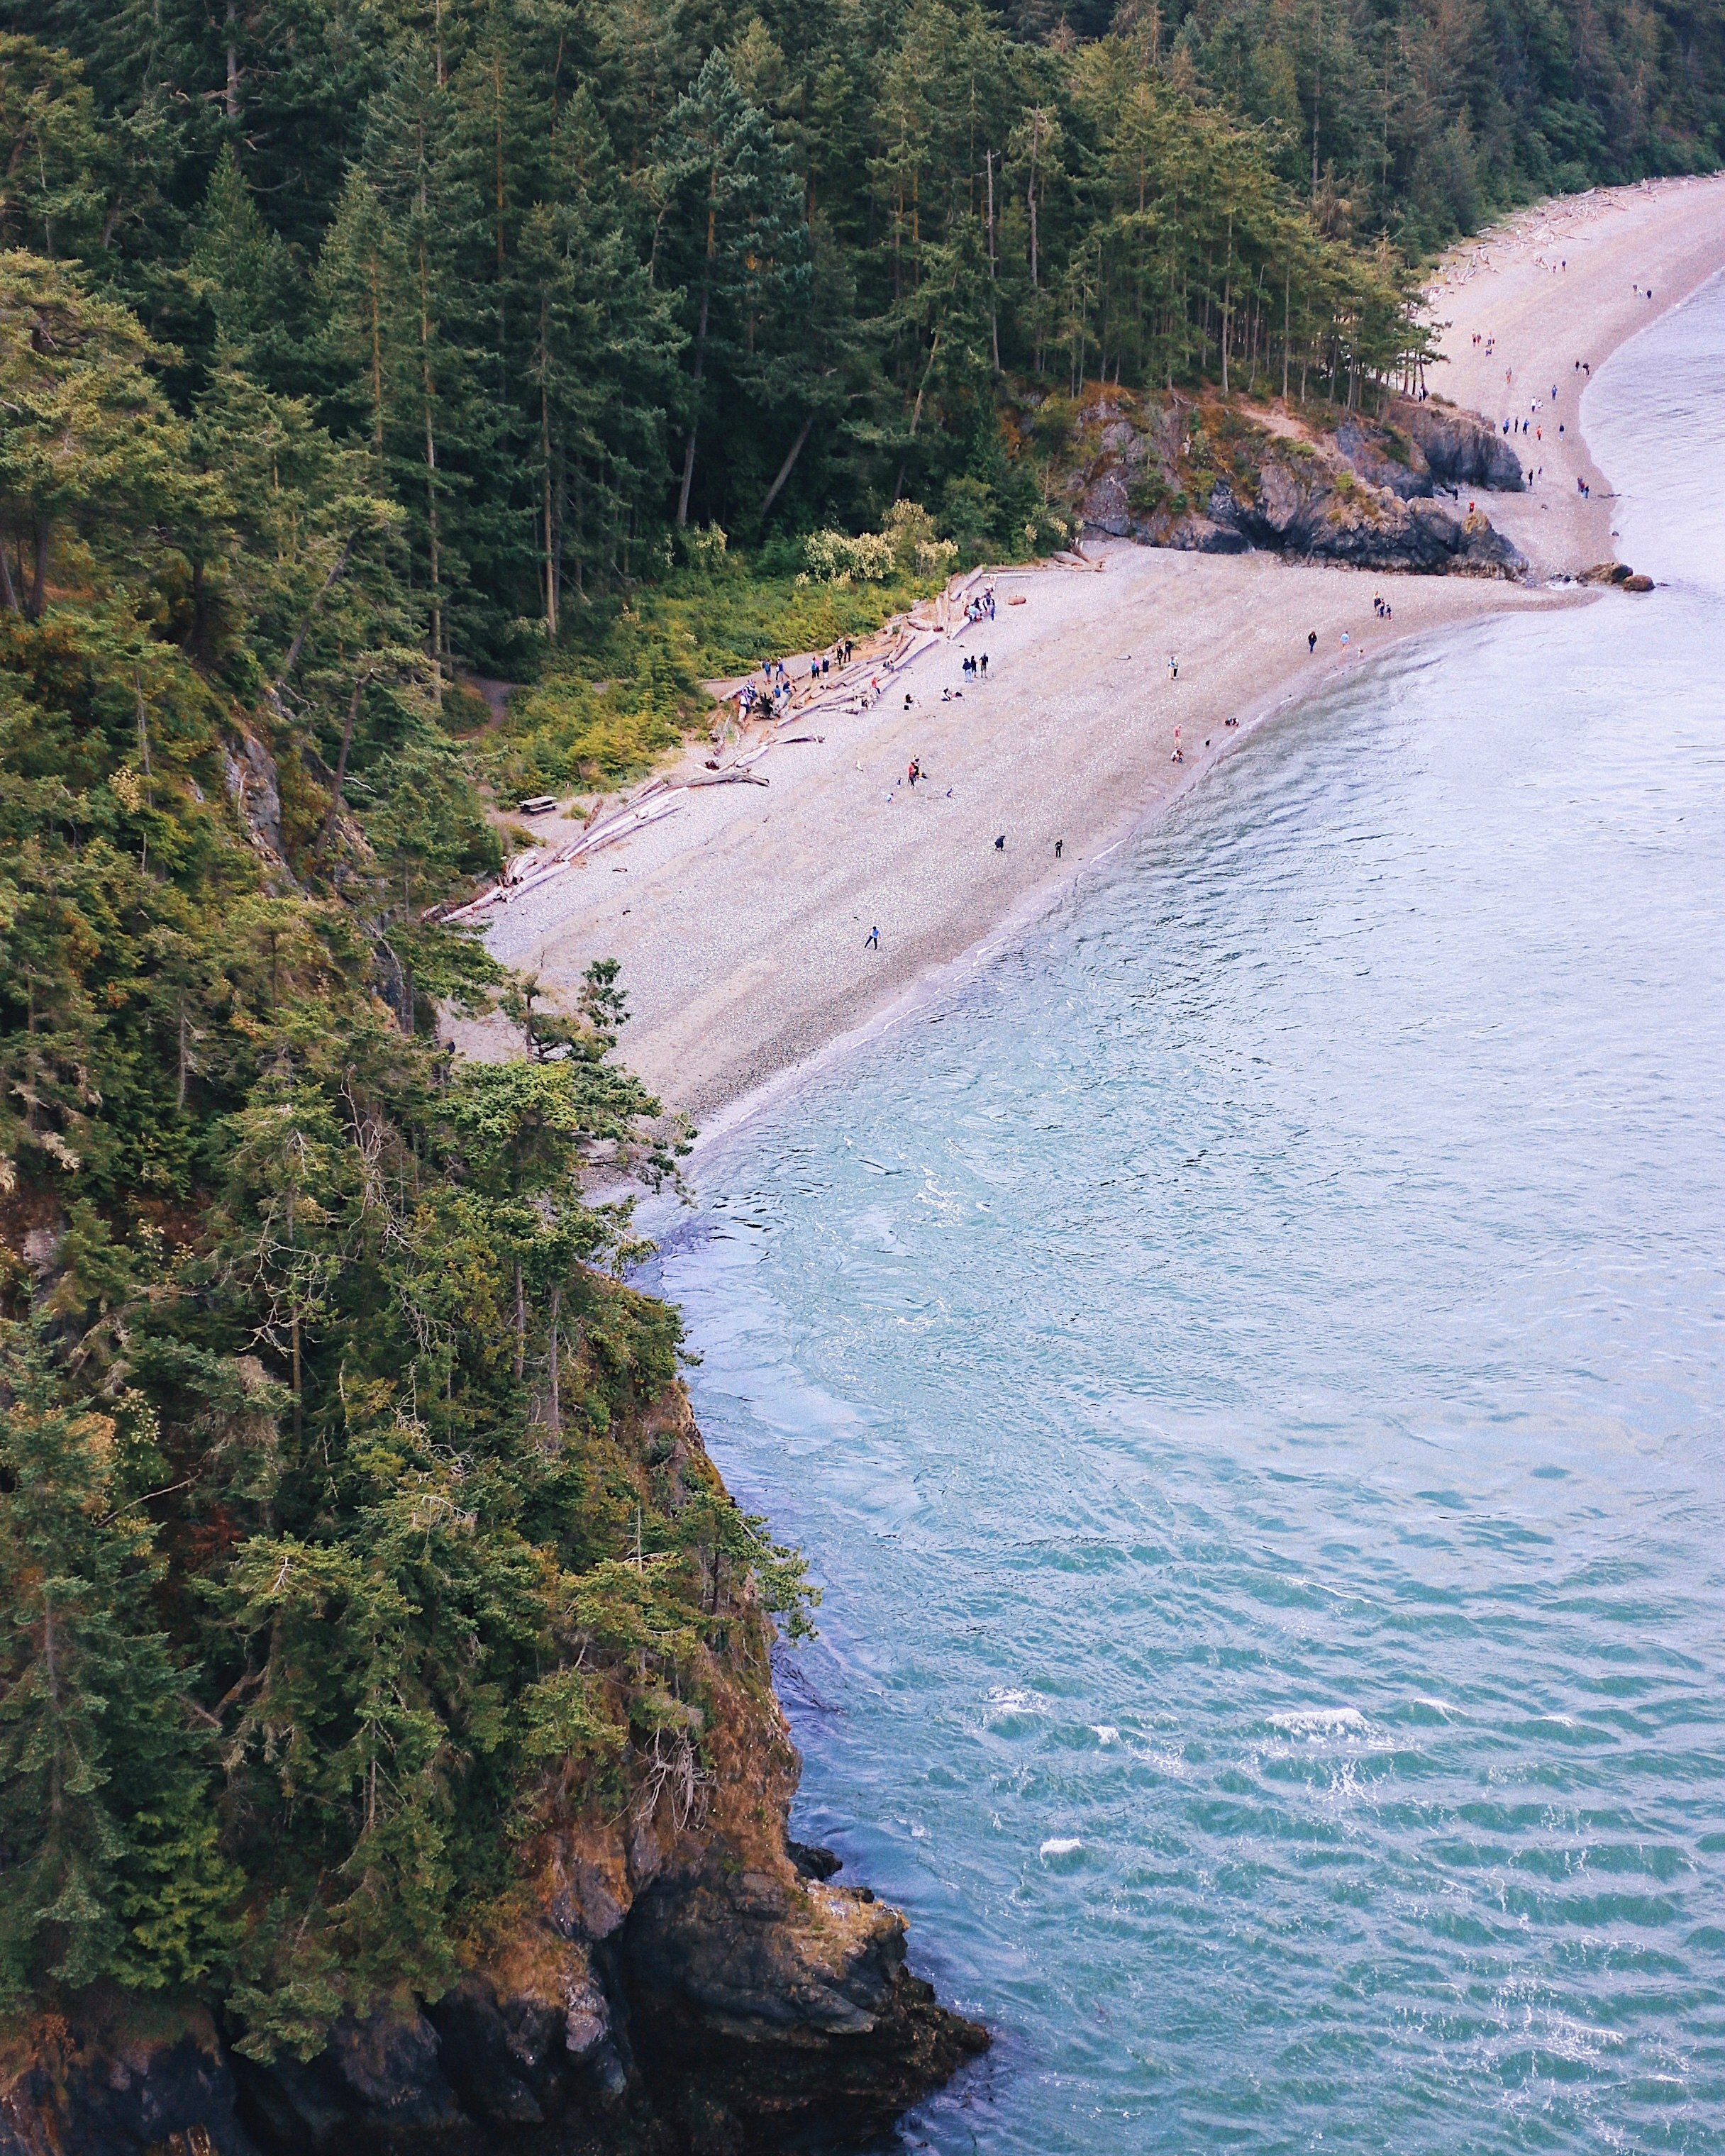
353	352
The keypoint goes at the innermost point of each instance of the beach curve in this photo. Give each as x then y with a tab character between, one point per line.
743	921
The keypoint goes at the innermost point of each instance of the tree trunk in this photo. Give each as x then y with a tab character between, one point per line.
993	310
785	469
555	1409
39	576
377	311
707	294
1287	295
1031	193
550	582
299	1397
1227	317
347	727
428	392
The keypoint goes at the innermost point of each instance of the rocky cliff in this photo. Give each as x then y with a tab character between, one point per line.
671	1973
1225	477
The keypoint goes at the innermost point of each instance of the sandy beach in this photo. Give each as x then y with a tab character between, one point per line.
1563	282
742	916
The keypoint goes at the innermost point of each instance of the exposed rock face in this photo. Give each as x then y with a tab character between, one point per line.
1459	447
110	2078
1366	526
768	2013
1363	494
674	1977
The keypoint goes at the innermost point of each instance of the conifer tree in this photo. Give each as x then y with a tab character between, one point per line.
113	1868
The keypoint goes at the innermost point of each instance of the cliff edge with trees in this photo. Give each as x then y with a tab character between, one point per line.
388	1748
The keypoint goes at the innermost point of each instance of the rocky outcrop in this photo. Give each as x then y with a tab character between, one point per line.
766	2013
1617	576
108	2076
671	1974
1215	477
1457	447
1321	517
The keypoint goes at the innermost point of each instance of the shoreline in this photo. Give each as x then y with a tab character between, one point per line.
740	919
943	976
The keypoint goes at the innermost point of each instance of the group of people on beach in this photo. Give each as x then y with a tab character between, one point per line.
1532	423
761	701
980	605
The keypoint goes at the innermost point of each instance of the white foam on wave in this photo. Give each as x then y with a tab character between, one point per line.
1060	1845
1322	1721
1105	1733
1003	1699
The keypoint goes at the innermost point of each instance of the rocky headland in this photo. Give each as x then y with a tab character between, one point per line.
673	1974
1215	476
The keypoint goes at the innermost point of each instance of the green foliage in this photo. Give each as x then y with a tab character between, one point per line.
331	1566
345	1545
629	681
112	1865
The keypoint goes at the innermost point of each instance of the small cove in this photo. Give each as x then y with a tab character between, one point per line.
1247	1367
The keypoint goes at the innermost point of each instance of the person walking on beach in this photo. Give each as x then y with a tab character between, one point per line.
1311	641
1058	843
871	942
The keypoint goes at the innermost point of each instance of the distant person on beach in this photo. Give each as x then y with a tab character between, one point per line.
871	942
1311	640
1000	843
1058	843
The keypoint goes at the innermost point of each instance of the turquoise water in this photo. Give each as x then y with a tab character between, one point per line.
1249	1371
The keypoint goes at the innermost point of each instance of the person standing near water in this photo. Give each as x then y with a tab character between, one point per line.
871	942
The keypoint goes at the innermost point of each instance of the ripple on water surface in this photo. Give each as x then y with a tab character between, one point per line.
1249	1373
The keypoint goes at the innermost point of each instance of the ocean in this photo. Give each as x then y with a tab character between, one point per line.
1247	1370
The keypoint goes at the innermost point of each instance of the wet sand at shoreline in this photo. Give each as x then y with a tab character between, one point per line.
740	918
1667	237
